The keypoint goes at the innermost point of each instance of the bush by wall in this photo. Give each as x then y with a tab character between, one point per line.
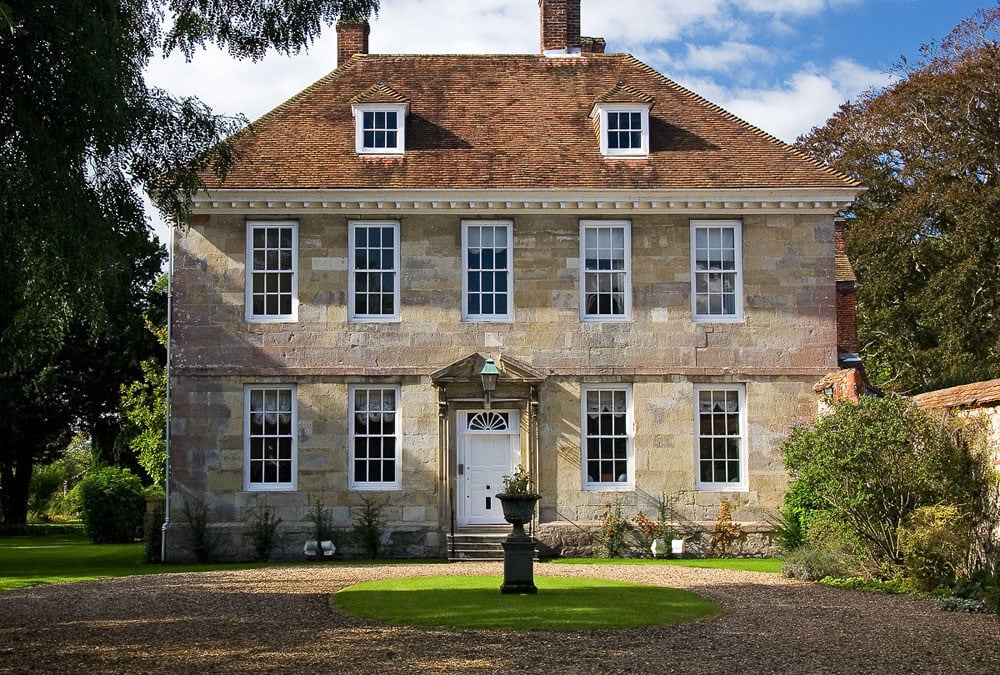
111	505
869	466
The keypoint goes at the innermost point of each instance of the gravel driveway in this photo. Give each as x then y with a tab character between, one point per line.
279	620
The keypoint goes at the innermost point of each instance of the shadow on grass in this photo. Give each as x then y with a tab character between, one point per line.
561	604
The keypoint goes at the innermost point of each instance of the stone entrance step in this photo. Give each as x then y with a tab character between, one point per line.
479	543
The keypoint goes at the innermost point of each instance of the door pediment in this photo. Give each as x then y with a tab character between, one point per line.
467	370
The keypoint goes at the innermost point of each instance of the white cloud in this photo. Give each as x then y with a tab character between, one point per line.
725	57
792	7
806	100
632	22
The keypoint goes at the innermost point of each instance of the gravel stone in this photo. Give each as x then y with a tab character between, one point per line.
280	619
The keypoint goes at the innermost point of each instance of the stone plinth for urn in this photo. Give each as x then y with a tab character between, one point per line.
518	548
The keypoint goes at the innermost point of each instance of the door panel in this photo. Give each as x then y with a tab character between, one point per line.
488	460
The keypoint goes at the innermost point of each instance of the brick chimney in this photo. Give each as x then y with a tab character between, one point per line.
560	26
847	322
352	38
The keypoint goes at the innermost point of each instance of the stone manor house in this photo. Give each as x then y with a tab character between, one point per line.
653	278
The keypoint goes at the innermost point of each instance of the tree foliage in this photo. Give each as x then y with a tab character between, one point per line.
867	467
144	402
81	137
922	237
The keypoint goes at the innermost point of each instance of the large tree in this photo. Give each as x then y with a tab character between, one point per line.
923	238
81	136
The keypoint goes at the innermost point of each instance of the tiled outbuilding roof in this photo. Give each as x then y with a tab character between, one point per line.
842	267
972	395
511	122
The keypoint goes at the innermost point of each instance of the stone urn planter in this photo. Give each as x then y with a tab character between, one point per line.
518	510
518	548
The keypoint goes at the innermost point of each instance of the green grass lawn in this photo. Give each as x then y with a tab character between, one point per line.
53	559
769	565
33	560
50	559
561	604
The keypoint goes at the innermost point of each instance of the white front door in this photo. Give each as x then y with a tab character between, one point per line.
488	450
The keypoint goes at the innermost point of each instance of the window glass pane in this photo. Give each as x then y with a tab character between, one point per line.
719	436
715	281
271	440
375	436
605	270
374	271
487	270
271	274
606	438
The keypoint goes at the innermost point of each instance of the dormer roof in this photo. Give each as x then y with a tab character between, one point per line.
380	92
623	93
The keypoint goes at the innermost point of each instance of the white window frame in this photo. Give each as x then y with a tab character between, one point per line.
248	485
598	485
626	315
495	317
359	110
601	113
249	273
353	314
737	315
742	485
363	486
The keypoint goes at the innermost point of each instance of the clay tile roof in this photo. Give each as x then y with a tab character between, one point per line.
511	122
966	395
846	384
380	92
842	268
623	93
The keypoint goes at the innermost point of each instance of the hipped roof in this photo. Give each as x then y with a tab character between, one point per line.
511	122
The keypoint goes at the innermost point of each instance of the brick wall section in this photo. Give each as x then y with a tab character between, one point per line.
847	324
352	38
560	24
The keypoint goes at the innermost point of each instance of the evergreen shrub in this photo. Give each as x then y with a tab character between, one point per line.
111	505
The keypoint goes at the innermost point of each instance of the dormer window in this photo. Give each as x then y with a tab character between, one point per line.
380	121
621	118
380	130
624	130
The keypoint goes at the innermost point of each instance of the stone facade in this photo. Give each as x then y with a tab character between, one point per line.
785	342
